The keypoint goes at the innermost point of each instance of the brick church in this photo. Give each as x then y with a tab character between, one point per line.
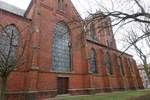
65	56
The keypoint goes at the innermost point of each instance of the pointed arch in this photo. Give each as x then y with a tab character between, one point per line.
120	64
61	50
108	63
9	41
93	62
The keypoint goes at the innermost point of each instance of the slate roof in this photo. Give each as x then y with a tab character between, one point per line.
12	9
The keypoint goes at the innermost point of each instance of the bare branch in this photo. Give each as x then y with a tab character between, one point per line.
140	6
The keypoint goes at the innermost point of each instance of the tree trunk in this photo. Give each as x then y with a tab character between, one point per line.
3	88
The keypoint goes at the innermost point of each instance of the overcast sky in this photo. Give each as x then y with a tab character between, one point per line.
92	6
23	4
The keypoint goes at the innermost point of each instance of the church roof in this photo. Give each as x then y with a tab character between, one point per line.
12	9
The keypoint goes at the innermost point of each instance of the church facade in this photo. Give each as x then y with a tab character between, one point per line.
65	56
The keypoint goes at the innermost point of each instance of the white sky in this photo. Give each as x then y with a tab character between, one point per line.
93	5
23	4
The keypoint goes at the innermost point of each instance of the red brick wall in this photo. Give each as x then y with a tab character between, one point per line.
36	77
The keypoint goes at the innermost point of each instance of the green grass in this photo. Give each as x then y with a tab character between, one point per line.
111	96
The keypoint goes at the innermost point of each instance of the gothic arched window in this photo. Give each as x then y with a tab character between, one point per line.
120	64
61	51
108	63
92	30
9	38
93	61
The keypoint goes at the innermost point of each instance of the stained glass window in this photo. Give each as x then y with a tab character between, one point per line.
93	61
108	63
61	51
8	44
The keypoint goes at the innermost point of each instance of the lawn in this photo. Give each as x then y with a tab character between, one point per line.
111	96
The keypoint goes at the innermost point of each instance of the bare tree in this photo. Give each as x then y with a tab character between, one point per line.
139	48
133	12
140	16
12	49
122	13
